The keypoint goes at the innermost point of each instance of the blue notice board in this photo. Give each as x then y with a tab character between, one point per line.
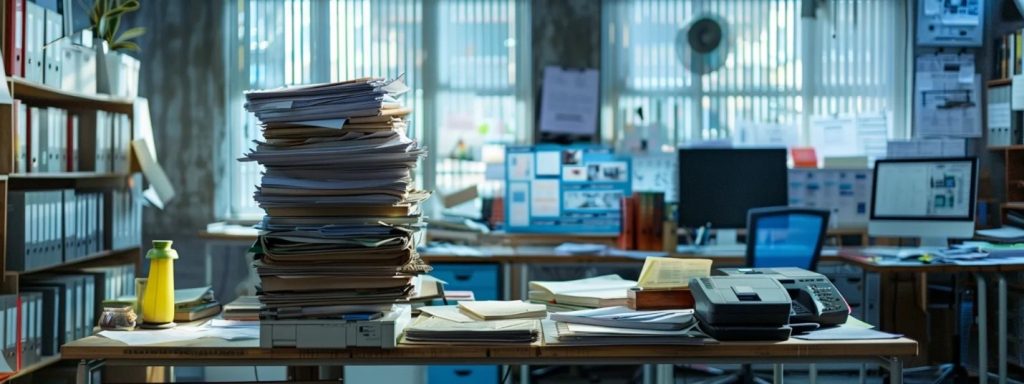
565	189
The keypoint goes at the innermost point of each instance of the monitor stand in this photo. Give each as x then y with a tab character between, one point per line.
934	242
726	237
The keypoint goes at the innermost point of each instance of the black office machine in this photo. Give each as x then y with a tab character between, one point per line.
749	307
815	299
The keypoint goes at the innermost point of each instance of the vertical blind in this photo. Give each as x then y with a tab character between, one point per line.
781	68
463	60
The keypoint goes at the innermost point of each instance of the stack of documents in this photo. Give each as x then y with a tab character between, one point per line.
556	332
623	317
621	325
594	292
343	215
438	330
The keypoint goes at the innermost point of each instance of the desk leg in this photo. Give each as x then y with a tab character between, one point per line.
524	294
83	374
1001	337
665	374
208	261
777	373
895	371
982	298
648	374
506	280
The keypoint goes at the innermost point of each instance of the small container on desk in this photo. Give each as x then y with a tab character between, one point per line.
640	299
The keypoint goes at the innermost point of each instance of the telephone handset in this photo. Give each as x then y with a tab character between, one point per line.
815	298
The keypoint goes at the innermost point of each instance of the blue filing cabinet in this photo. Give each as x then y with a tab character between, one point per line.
484	279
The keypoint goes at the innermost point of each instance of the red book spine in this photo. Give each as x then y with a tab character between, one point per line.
69	143
14	38
627	228
657	222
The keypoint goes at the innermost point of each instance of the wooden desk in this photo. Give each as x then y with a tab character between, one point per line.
868	263
95	351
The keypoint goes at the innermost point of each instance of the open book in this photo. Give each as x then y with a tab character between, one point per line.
594	292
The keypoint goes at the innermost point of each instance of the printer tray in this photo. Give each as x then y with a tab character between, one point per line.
746	333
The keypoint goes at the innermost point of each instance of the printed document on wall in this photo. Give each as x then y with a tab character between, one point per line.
944	105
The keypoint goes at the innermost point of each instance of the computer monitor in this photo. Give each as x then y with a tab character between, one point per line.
933	199
719	185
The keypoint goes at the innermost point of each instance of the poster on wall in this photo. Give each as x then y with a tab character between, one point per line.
565	189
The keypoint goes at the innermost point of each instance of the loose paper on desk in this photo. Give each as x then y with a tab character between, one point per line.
503	309
666	272
1006	232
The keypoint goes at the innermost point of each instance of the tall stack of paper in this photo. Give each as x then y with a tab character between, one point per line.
342	212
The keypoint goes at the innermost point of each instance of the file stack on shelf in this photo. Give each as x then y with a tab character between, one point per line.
343	216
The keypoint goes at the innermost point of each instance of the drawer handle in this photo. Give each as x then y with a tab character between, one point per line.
462	277
463	372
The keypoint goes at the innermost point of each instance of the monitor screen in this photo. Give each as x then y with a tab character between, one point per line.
719	185
924	189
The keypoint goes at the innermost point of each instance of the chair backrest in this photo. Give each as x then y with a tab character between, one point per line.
785	237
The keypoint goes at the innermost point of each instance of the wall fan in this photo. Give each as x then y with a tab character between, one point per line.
704	44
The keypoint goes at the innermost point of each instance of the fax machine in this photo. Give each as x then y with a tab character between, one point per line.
815	299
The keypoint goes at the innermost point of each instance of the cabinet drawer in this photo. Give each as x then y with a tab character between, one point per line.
482	279
462	374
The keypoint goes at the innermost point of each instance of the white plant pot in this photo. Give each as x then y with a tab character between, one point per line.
117	74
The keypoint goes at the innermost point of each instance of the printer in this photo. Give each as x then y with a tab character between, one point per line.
815	298
383	332
747	307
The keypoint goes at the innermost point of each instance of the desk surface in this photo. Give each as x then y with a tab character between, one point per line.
248	351
875	264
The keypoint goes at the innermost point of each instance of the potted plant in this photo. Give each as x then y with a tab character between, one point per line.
116	72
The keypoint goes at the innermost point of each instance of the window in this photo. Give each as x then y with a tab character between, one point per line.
781	69
465	61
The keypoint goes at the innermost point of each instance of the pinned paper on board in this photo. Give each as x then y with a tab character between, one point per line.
944	104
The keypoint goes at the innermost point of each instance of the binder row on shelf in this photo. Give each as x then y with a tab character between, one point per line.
1004	126
124	216
57	308
1008	54
53	140
51	227
36	49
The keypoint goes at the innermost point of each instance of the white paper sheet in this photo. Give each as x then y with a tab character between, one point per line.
944	105
569	101
149	337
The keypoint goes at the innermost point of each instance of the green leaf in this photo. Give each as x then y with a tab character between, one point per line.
131	34
125	46
115	23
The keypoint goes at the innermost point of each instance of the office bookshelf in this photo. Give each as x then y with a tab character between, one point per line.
77	103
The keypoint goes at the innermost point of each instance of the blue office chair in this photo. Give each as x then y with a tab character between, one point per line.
785	237
782	237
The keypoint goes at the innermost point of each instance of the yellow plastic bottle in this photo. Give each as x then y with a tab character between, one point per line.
158	298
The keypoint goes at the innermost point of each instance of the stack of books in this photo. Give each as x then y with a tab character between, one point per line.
190	304
195	303
343	215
